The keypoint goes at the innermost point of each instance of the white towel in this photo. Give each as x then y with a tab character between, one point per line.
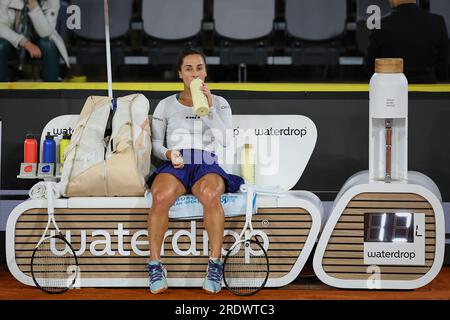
39	190
188	207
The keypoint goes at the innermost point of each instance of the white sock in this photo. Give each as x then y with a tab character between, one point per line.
215	259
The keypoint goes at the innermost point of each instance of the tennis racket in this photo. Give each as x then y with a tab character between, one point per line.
54	265
246	264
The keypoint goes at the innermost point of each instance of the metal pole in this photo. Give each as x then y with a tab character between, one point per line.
242	72
108	49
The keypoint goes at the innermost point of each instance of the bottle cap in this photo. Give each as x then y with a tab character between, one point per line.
67	136
389	65
247	145
196	82
30	135
49	136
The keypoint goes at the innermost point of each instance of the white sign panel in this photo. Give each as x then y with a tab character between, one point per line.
399	252
283	145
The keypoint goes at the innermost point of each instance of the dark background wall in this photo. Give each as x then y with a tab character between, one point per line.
341	120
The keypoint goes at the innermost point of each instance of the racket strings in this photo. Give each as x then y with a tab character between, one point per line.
52	266
245	273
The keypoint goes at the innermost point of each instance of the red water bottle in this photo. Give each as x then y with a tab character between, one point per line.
30	149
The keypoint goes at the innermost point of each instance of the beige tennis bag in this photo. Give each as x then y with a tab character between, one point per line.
108	164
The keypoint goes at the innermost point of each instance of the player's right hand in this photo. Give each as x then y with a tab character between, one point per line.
177	159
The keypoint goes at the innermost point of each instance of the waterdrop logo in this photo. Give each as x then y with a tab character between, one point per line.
288	131
100	243
61	131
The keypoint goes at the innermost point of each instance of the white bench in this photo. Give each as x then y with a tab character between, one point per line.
109	234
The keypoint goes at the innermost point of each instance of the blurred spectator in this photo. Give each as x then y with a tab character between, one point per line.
417	36
29	26
424	4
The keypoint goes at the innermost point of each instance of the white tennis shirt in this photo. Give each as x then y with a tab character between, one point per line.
176	126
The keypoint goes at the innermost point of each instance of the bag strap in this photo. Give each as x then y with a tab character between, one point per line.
108	128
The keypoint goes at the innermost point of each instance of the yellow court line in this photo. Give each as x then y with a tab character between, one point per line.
176	86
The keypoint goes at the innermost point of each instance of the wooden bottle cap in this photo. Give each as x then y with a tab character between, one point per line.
389	65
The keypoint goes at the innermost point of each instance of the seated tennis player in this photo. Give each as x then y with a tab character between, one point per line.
187	142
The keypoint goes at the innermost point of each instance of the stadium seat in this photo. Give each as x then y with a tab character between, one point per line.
170	26
243	28
362	32
313	25
90	48
92	23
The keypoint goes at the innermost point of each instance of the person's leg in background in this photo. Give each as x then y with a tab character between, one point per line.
5	54
62	18
50	60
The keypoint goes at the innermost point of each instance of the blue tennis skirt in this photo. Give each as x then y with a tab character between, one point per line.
197	163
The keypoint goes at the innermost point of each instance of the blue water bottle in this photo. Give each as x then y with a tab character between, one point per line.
49	149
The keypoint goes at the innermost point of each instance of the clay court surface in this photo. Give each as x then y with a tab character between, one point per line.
305	287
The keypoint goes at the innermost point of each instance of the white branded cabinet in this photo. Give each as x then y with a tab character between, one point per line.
386	229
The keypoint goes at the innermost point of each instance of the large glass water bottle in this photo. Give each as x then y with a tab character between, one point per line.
388	146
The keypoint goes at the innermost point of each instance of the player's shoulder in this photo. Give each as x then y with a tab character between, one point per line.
220	102
166	103
168	100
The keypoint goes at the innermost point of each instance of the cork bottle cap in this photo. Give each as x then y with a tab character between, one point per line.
389	65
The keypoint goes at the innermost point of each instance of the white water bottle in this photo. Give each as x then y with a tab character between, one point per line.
201	107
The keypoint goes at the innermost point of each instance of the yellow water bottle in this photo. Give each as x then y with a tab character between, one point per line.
248	164
65	141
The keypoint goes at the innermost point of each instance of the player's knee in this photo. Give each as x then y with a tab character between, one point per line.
209	196
163	198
